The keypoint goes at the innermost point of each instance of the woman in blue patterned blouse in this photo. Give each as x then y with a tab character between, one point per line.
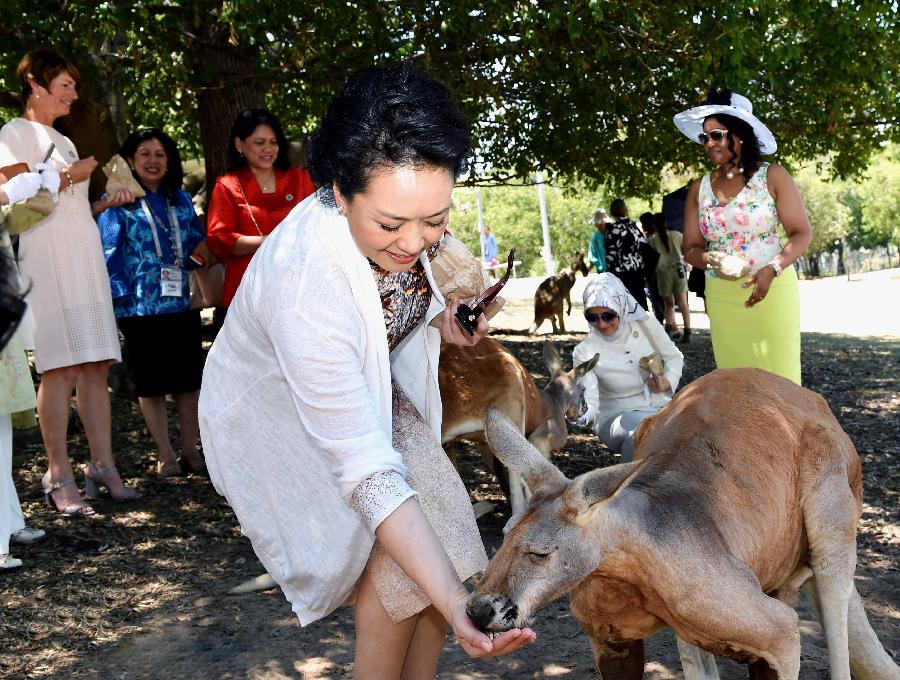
147	245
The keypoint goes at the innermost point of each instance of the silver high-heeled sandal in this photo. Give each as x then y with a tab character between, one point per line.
78	509
94	479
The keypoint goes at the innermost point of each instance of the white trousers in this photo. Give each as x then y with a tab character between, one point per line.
11	519
617	432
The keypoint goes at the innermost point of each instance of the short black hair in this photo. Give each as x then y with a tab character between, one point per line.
387	116
618	209
172	180
751	155
244	125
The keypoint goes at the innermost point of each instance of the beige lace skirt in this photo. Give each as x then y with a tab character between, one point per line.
446	504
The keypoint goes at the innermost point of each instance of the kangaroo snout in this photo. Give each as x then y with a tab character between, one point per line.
492	613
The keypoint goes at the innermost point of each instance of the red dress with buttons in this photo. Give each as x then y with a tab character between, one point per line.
229	215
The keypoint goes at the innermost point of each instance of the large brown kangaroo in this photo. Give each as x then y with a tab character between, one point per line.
744	489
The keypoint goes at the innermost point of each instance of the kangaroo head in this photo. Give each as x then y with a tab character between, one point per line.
578	264
557	542
565	389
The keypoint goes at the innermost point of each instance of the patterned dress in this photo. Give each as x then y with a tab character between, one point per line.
405	298
745	226
623	254
766	335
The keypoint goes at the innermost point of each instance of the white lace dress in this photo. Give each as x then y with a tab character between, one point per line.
61	258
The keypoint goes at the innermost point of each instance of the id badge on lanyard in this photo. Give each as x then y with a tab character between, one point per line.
170	281
170	276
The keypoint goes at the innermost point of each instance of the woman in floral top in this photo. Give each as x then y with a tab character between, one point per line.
730	220
147	245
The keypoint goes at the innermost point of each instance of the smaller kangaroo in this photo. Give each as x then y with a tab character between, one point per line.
548	298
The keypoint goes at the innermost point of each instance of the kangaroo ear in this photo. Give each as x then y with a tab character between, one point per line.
551	357
600	484
516	453
586	366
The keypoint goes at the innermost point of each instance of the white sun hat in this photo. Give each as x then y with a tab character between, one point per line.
690	122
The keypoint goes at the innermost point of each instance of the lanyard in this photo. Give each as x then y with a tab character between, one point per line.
153	220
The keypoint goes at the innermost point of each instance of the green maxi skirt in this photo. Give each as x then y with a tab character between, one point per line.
766	335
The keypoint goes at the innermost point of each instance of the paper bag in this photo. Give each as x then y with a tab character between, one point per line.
119	177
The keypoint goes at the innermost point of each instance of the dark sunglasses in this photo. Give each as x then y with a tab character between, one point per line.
468	316
606	317
715	135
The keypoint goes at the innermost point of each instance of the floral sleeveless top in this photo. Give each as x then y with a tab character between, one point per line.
405	297
745	226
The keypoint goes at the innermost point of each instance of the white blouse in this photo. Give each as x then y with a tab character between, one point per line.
295	408
617	383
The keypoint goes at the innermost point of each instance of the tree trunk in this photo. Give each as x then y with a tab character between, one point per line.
229	82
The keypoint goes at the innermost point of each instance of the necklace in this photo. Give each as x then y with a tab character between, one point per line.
264	185
730	172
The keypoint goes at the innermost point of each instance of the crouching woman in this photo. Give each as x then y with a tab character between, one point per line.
320	412
620	393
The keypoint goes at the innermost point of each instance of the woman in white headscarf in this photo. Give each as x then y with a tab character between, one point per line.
619	393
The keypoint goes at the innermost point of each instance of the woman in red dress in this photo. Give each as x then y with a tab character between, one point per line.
260	188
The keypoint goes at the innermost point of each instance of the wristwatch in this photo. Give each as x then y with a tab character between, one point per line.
776	267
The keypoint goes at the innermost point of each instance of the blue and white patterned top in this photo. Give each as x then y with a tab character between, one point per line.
131	260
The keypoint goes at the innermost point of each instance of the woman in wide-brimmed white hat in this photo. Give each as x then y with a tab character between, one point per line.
730	219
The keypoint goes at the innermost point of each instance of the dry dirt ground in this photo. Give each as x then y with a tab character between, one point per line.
139	590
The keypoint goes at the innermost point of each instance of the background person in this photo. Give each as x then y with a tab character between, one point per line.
656	300
619	393
320	396
147	246
623	251
489	244
671	279
730	221
16	395
597	246
260	188
62	259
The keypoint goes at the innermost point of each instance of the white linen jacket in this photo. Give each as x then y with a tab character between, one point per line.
295	408
617	383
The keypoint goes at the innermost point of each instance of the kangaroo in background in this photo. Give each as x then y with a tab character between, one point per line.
549	296
488	374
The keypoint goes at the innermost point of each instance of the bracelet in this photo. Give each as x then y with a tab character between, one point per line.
776	267
68	176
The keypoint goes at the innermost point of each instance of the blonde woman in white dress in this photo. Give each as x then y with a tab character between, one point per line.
61	259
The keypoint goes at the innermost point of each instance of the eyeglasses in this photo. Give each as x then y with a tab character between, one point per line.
606	317
715	135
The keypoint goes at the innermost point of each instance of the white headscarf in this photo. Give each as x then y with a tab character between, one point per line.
606	290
